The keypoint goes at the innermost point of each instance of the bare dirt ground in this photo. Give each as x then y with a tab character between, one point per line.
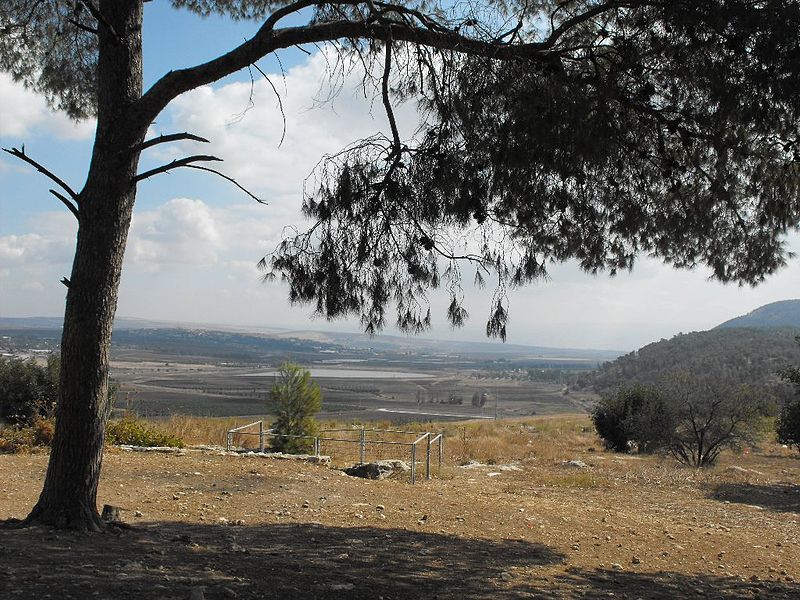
246	527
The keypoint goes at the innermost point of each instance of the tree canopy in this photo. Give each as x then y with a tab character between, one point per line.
590	130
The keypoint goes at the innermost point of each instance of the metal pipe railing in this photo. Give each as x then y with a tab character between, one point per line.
362	442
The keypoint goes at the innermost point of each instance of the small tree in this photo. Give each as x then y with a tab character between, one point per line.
788	424
633	415
710	416
298	399
28	390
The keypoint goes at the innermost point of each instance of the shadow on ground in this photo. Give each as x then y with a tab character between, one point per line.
603	583
784	497
174	560
168	560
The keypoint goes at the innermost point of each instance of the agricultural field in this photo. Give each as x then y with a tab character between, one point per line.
350	392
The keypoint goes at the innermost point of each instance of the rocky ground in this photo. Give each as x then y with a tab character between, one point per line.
212	526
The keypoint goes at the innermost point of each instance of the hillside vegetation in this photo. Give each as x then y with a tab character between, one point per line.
785	313
736	355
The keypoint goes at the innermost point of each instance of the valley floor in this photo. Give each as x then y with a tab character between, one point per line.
246	527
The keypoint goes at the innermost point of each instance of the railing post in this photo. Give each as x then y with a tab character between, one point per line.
362	451
228	441
413	462
441	451
316	446
261	436
428	456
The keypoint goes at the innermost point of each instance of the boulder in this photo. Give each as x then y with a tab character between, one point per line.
380	469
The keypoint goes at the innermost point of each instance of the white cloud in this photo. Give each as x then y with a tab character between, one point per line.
23	112
248	137
34	249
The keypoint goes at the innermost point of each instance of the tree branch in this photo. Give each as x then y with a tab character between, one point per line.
231	179
20	154
268	39
95	12
172	137
82	27
387	104
72	208
178	162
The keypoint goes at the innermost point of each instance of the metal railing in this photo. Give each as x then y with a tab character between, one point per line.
427	438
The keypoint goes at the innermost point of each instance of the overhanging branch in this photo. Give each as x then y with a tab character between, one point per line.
268	39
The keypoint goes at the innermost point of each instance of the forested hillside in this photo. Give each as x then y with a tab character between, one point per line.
751	356
785	313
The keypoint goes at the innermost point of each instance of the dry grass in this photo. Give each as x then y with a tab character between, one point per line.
543	438
552	439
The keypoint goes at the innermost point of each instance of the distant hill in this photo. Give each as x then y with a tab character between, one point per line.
744	355
785	313
237	341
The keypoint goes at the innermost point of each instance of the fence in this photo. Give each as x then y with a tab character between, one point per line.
426	440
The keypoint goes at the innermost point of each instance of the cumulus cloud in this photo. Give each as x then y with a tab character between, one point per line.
181	231
245	125
22	113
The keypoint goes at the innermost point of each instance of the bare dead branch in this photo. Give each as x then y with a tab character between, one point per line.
177	163
172	137
231	179
20	154
72	208
280	102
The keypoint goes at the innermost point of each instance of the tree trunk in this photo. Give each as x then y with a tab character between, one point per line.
69	495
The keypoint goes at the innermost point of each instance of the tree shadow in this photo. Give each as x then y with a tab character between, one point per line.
783	497
604	583
169	559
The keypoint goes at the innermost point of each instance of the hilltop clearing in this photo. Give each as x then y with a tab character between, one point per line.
531	525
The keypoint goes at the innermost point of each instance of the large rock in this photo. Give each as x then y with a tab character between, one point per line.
380	469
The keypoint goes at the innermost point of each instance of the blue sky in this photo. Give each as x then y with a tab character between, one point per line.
195	239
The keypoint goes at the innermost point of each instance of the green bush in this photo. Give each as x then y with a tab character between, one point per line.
134	432
298	399
788	425
633	415
27	390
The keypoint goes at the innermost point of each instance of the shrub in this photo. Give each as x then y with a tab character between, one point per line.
24	438
132	431
298	398
27	390
788	425
633	415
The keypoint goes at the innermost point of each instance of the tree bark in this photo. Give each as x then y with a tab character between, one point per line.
69	495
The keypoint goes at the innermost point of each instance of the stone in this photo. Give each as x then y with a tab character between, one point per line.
111	514
380	469
578	464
